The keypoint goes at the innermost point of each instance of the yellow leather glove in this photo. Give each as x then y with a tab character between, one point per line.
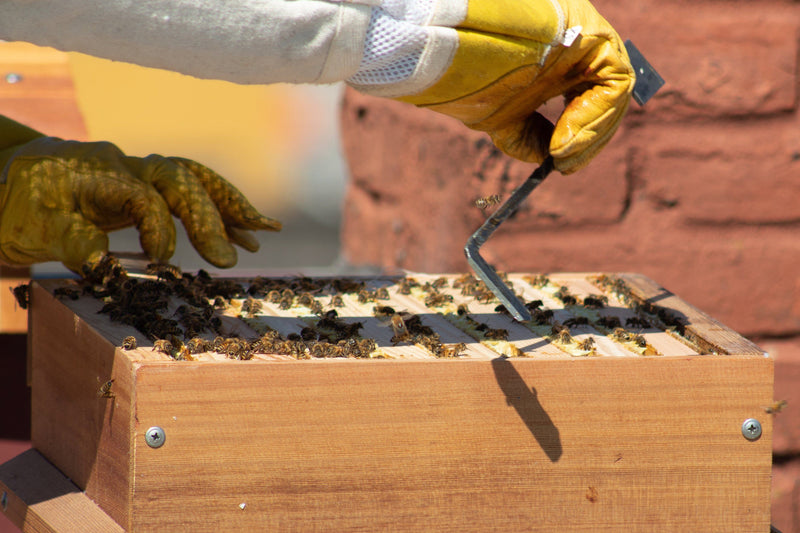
59	198
510	60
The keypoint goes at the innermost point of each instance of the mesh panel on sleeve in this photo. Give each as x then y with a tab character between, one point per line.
394	42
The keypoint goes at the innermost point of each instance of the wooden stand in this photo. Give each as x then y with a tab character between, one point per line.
546	442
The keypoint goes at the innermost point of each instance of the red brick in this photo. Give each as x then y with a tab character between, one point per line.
786	496
718	59
725	173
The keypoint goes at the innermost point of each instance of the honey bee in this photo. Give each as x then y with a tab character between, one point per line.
365	296
273	297
463	310
163	271
400	329
538	281
184	354
595	302
776	407
406	284
337	301
437	299
163	346
454	350
381	293
464	279
542	316
196	345
105	390
637	322
286	302
534	304
609	322
306	299
487	201
565	297
22	293
576	321
66	292
439	283
561	334
496	334
587	344
383	311
251	306
129	343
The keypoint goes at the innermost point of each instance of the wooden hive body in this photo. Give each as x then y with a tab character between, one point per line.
605	439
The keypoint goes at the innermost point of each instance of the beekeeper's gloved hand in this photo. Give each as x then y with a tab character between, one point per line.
59	198
510	57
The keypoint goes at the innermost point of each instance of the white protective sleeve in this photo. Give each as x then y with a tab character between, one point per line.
254	41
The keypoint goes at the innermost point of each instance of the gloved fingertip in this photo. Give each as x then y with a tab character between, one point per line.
243	238
219	252
267	223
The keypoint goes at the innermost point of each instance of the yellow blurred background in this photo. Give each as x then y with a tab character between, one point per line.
278	144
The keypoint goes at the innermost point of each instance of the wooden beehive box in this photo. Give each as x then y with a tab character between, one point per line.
533	428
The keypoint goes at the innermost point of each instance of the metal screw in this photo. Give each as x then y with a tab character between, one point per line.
155	437
751	429
4	501
13	77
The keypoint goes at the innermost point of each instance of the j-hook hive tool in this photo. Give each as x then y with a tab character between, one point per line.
648	82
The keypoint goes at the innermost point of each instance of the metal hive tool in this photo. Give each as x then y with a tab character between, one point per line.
482	269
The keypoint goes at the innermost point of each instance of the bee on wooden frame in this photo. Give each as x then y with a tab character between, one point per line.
129	343
105	390
163	346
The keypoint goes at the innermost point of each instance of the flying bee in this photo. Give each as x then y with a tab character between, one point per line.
400	329
487	201
776	407
105	390
129	343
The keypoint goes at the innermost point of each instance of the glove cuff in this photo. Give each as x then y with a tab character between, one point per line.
408	46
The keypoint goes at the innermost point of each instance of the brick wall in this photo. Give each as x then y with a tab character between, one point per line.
699	190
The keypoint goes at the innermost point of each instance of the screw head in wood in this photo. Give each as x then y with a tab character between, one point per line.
155	437
751	429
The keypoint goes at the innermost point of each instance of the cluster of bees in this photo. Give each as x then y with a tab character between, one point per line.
144	304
